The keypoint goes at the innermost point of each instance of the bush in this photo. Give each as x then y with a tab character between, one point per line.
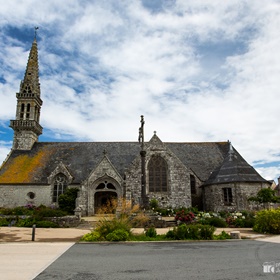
92	236
67	201
195	232
151	232
153	203
222	236
17	211
118	235
104	227
29	222
48	212
46	224
184	216
170	235
115	230
4	222
216	222
248	222
268	221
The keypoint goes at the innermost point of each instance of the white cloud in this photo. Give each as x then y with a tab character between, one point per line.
103	64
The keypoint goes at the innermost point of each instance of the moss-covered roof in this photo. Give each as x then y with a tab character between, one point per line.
35	166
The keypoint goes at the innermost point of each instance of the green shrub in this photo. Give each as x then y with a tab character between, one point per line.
216	222
91	237
180	232
222	236
29	222
104	227
205	232
49	212
17	211
153	203
46	224
118	235
143	237
170	234
67	201
268	221
195	232
248	222
119	229
151	232
4	222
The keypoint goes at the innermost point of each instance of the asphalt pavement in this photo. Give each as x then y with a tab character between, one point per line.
22	259
235	259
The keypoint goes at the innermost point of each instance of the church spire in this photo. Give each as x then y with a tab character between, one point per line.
30	83
26	126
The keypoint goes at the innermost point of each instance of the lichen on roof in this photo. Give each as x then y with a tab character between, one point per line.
21	168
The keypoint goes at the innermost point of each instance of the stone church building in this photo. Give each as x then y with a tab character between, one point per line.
211	176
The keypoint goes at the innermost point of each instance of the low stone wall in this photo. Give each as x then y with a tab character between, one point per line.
65	221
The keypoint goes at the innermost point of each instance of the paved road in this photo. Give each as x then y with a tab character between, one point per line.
179	260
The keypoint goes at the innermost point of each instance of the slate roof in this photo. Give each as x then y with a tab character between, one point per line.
80	158
234	169
202	157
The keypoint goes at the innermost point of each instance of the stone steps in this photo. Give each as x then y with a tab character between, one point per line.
91	221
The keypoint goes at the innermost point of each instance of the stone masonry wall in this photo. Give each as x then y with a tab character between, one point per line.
214	200
105	171
17	195
24	140
178	177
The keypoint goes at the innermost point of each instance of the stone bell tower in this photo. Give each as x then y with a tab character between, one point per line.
26	125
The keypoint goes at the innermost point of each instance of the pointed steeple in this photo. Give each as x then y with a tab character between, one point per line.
30	83
26	126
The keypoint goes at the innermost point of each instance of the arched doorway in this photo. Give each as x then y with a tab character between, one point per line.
105	202
105	198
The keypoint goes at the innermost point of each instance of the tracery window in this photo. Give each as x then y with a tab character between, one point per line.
105	185
157	174
59	186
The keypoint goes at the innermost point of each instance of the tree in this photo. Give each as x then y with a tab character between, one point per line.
266	195
67	201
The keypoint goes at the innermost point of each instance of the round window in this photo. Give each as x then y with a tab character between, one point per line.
31	195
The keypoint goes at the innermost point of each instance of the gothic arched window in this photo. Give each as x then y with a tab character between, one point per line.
157	174
59	186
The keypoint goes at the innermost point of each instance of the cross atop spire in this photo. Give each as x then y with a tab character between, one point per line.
35	31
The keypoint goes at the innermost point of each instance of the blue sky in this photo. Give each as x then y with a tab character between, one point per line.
197	70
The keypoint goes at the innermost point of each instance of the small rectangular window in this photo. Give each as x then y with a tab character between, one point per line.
227	192
193	187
